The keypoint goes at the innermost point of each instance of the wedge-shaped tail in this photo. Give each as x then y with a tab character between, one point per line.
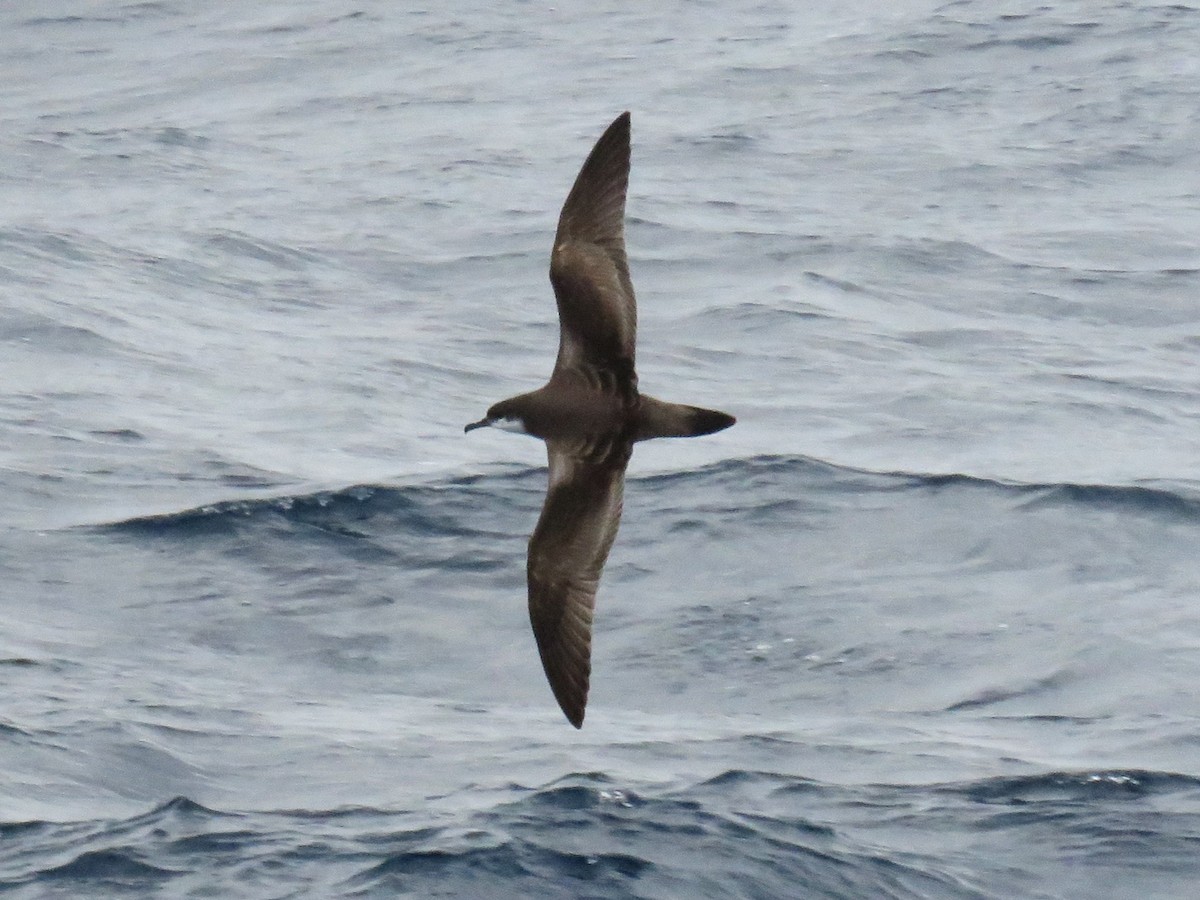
658	418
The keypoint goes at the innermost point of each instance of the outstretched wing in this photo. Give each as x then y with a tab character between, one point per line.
597	312
567	551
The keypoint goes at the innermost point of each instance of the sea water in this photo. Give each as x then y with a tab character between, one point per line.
924	623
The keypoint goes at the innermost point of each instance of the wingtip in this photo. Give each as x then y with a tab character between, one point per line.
618	130
574	708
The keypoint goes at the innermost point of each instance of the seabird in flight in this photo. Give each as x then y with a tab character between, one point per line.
590	414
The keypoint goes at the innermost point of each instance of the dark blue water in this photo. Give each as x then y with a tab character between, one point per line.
923	624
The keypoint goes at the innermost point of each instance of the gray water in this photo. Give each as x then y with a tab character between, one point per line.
923	624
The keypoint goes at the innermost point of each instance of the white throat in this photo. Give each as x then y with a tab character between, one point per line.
513	424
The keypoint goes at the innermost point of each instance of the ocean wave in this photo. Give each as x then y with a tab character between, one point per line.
1174	499
103	867
443	508
741	832
577	835
1076	787
467	505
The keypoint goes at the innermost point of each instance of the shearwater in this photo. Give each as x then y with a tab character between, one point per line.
590	414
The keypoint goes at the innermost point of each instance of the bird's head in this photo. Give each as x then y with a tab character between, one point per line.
502	415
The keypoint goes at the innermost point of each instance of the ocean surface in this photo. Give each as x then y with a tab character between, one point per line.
924	624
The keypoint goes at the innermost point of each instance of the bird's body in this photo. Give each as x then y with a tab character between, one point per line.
590	414
570	405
